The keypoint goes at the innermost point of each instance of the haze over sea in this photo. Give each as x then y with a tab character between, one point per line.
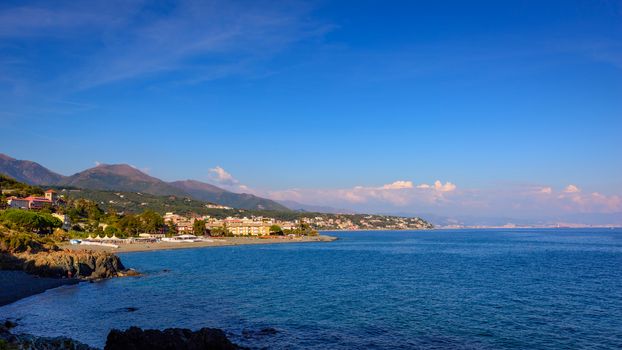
474	289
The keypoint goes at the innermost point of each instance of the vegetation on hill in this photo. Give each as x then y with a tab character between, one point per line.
124	214
29	221
135	203
123	177
19	242
10	187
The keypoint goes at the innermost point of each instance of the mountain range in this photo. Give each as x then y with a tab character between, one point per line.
123	177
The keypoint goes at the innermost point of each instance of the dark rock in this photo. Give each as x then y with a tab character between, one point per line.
246	333
128	272
130	309
268	331
8	324
31	342
135	338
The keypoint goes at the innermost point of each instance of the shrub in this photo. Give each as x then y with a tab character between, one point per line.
29	220
21	242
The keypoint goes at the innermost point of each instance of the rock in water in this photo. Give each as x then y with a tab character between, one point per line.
135	338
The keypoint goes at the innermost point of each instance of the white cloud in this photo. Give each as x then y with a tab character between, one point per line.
572	189
221	176
444	197
398	185
447	187
438	186
400	193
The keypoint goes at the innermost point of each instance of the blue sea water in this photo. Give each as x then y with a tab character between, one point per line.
466	289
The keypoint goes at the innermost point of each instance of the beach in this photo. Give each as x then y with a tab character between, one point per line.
215	242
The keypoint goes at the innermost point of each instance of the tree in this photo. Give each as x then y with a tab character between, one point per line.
112	231
111	217
216	231
129	224
151	221
83	209
276	230
198	227
30	221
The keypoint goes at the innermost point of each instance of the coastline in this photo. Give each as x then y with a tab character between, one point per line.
24	285
219	242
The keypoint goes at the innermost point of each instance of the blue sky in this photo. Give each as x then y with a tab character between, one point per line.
328	102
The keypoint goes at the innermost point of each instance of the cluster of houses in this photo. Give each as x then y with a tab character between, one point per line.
253	226
50	199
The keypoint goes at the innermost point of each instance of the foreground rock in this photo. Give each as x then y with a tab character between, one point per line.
135	338
30	342
66	263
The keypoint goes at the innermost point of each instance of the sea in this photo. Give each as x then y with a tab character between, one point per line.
436	289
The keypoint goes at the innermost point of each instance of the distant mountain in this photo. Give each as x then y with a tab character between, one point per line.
120	177
26	171
125	178
210	193
293	205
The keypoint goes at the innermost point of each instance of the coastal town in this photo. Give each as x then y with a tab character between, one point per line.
88	221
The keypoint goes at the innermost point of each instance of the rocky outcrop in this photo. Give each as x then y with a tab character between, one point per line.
67	263
135	338
31	342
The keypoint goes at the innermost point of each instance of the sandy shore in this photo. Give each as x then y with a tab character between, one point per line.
15	285
217	242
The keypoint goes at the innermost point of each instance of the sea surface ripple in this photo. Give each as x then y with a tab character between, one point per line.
462	289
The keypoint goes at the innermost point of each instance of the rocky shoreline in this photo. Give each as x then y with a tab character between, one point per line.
133	338
81	264
8	340
34	271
